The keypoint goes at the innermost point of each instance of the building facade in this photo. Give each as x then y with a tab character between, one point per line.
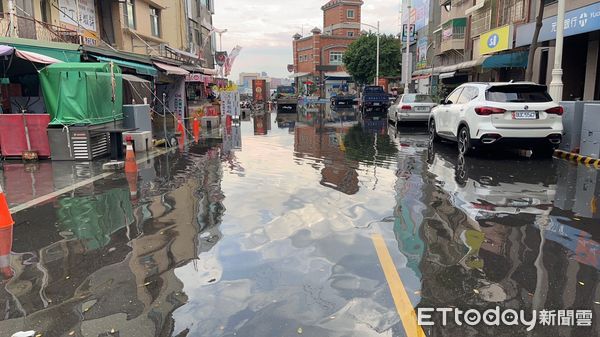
178	30
318	58
489	40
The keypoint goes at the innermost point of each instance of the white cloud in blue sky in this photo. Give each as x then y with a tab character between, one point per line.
264	28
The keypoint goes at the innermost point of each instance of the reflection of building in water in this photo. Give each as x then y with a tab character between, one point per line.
115	266
262	123
484	246
325	144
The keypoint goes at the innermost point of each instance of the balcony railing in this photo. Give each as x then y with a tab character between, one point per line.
28	28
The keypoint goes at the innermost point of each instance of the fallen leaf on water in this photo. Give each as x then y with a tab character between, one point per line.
417	292
581	283
71	333
476	291
530	294
299	330
596	302
112	331
68	277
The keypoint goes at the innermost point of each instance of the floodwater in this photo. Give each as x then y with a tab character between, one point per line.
270	233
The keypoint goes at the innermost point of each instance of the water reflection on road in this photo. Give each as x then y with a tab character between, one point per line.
268	233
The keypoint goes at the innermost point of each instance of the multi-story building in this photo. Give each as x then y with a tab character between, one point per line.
318	58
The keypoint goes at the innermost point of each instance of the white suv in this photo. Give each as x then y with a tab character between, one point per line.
478	115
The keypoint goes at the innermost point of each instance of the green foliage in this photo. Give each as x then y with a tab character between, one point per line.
361	58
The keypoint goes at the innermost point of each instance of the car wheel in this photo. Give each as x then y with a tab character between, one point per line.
465	147
433	136
544	151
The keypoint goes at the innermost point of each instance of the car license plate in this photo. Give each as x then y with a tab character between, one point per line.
375	104
524	115
421	108
375	118
341	103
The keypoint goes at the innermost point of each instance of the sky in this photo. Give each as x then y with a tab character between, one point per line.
264	29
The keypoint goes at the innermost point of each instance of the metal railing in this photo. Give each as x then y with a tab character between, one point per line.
28	28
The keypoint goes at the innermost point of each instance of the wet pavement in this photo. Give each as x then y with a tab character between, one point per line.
270	233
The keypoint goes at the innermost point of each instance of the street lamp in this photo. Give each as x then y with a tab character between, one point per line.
378	36
221	32
556	86
408	58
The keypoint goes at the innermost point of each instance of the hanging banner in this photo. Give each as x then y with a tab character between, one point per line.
259	90
231	59
230	103
87	13
221	58
422	53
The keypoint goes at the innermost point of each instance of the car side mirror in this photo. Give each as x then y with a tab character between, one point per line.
443	102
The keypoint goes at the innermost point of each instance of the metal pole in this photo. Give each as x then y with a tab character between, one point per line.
377	75
78	13
556	86
165	118
408	59
11	9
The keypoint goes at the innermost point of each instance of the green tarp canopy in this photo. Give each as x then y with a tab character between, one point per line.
510	60
66	52
82	93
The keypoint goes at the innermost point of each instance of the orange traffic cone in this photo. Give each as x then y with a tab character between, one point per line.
6	227
130	163
132	181
6	238
6	219
179	125
196	129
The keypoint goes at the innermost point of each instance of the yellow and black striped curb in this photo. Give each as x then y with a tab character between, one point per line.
588	161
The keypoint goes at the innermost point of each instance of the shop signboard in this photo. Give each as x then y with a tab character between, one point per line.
259	90
221	58
578	21
418	15
422	53
495	40
87	13
230	103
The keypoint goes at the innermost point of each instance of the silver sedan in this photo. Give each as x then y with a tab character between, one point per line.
411	107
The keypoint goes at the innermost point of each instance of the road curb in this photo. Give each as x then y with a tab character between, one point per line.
587	161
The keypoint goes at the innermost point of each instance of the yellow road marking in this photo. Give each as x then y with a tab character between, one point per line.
403	305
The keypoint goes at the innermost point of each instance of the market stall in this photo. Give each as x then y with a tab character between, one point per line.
23	116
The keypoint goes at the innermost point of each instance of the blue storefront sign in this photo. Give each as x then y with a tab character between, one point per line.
578	21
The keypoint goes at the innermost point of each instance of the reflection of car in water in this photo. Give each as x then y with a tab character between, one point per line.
285	120
483	189
343	101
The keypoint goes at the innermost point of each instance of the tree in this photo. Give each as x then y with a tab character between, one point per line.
361	58
534	41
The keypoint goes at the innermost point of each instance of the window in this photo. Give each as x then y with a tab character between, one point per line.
518	93
350	34
416	98
155	21
350	14
468	94
129	13
453	97
336	57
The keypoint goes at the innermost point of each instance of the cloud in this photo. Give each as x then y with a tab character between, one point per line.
264	29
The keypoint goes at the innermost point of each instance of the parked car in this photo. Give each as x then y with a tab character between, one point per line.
480	115
374	101
411	107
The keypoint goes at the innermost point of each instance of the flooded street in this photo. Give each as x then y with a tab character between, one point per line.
284	227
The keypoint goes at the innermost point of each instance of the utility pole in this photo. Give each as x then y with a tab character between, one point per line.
11	9
377	75
556	86
408	59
